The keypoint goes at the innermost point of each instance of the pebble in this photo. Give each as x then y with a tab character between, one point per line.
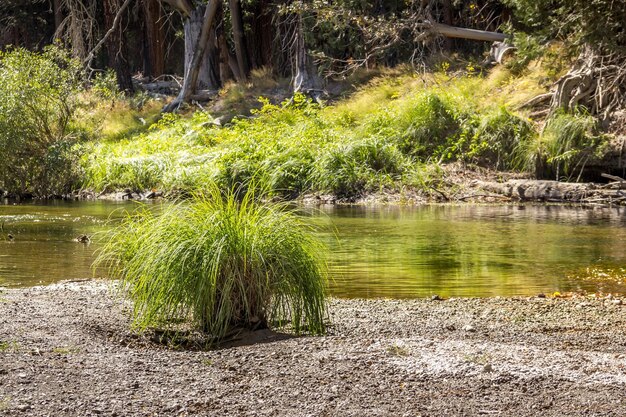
488	368
469	328
617	302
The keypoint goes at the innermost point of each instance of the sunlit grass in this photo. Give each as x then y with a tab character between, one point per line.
369	141
562	148
222	260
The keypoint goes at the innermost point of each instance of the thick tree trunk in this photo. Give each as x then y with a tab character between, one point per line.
196	55
225	71
154	39
207	76
116	47
259	44
239	39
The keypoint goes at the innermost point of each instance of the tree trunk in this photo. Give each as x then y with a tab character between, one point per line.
116	47
154	38
225	72
239	39
305	80
259	44
196	55
58	14
207	76
448	20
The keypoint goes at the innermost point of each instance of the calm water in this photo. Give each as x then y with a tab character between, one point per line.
377	252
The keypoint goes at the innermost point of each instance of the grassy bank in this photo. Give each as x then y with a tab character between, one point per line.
390	135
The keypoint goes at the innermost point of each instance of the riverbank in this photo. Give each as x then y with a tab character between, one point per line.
67	350
458	183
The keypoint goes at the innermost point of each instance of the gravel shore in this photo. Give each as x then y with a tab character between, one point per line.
67	350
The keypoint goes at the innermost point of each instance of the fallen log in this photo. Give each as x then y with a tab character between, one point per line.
555	192
473	34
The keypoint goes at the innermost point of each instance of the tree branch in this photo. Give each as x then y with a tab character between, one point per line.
183	6
112	29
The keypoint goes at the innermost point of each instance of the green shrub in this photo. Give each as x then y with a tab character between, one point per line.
527	50
349	170
220	261
420	126
104	85
38	101
495	136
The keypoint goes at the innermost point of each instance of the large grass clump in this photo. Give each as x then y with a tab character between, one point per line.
222	260
567	142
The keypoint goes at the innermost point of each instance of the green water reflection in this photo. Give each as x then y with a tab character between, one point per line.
375	252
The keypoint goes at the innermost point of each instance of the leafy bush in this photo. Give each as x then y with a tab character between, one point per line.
104	85
495	136
221	262
528	49
421	125
38	101
349	170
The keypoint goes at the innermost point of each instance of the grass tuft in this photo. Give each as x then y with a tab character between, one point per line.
568	140
222	260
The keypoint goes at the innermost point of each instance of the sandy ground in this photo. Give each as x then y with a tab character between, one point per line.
67	350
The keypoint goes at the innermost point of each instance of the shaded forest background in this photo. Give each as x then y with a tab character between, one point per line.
310	40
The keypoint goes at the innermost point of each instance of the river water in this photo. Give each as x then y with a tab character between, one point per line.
395	252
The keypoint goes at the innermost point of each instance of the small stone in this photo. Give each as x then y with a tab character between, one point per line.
617	302
488	368
541	295
436	297
469	328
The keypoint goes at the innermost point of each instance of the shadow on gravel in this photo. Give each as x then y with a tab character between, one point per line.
121	334
181	340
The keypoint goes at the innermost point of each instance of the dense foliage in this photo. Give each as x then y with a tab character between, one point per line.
383	138
38	102
595	22
222	260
